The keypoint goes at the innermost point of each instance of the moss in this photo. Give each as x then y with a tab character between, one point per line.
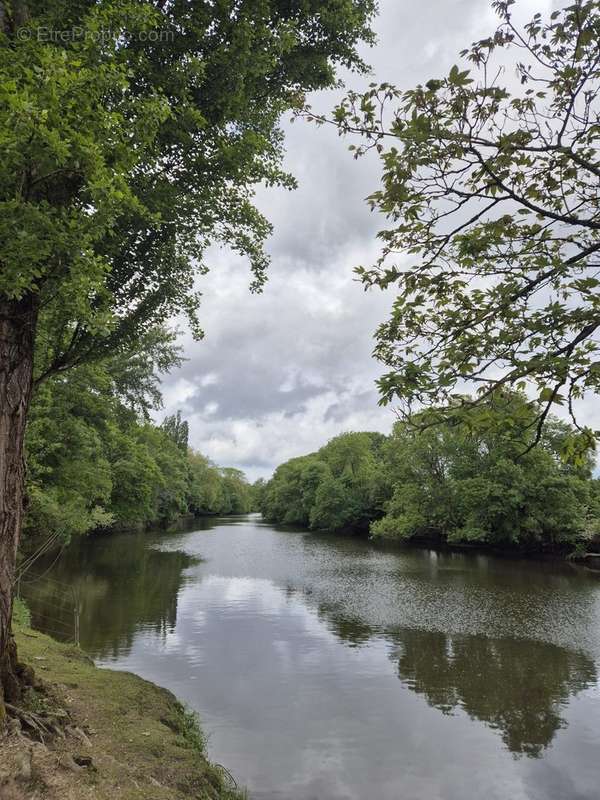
144	743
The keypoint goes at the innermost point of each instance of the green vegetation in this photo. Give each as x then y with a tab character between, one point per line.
140	742
133	136
334	488
490	192
21	615
483	484
136	141
97	461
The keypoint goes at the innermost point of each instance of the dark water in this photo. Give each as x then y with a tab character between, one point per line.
325	668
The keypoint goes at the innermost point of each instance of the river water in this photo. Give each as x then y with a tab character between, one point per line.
327	668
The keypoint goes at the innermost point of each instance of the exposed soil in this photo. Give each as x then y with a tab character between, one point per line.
84	732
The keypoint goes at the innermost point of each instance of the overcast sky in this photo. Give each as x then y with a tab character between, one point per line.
278	374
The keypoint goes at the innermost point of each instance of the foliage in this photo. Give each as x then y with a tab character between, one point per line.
482	484
257	493
133	135
21	616
177	429
235	492
335	488
68	462
490	187
205	485
95	462
187	725
449	481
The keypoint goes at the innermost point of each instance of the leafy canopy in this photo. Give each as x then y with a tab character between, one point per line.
450	482
135	138
95	460
337	487
476	484
490	189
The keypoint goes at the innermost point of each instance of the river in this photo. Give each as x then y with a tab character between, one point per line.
327	668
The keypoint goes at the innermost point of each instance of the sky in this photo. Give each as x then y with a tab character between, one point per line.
279	374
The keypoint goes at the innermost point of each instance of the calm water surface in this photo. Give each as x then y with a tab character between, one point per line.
325	668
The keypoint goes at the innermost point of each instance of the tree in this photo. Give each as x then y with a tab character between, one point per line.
132	137
337	487
69	480
94	458
284	498
87	464
491	193
236	491
335	507
206	485
475	480
95	461
177	429
258	491
459	484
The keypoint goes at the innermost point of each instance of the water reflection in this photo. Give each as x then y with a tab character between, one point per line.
325	668
122	584
518	688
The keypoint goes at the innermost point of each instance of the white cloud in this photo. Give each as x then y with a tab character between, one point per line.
280	373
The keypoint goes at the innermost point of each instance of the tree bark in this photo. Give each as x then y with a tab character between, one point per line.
18	320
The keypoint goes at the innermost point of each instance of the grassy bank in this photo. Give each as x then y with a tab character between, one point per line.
121	736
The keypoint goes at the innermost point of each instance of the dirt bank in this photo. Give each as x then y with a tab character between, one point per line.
113	736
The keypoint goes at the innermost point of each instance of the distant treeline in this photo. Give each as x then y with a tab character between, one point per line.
434	479
96	460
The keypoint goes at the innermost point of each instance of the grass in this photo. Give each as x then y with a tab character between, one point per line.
188	727
143	743
21	616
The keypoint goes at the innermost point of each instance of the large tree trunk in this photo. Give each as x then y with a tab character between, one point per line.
18	320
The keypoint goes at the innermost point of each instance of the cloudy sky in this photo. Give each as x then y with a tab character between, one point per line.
278	374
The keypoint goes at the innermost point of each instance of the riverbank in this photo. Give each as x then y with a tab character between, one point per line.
326	667
540	551
118	736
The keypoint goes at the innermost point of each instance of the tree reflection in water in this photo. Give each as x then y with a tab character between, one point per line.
519	687
516	687
123	586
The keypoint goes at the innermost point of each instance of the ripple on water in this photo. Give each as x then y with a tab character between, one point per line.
328	668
